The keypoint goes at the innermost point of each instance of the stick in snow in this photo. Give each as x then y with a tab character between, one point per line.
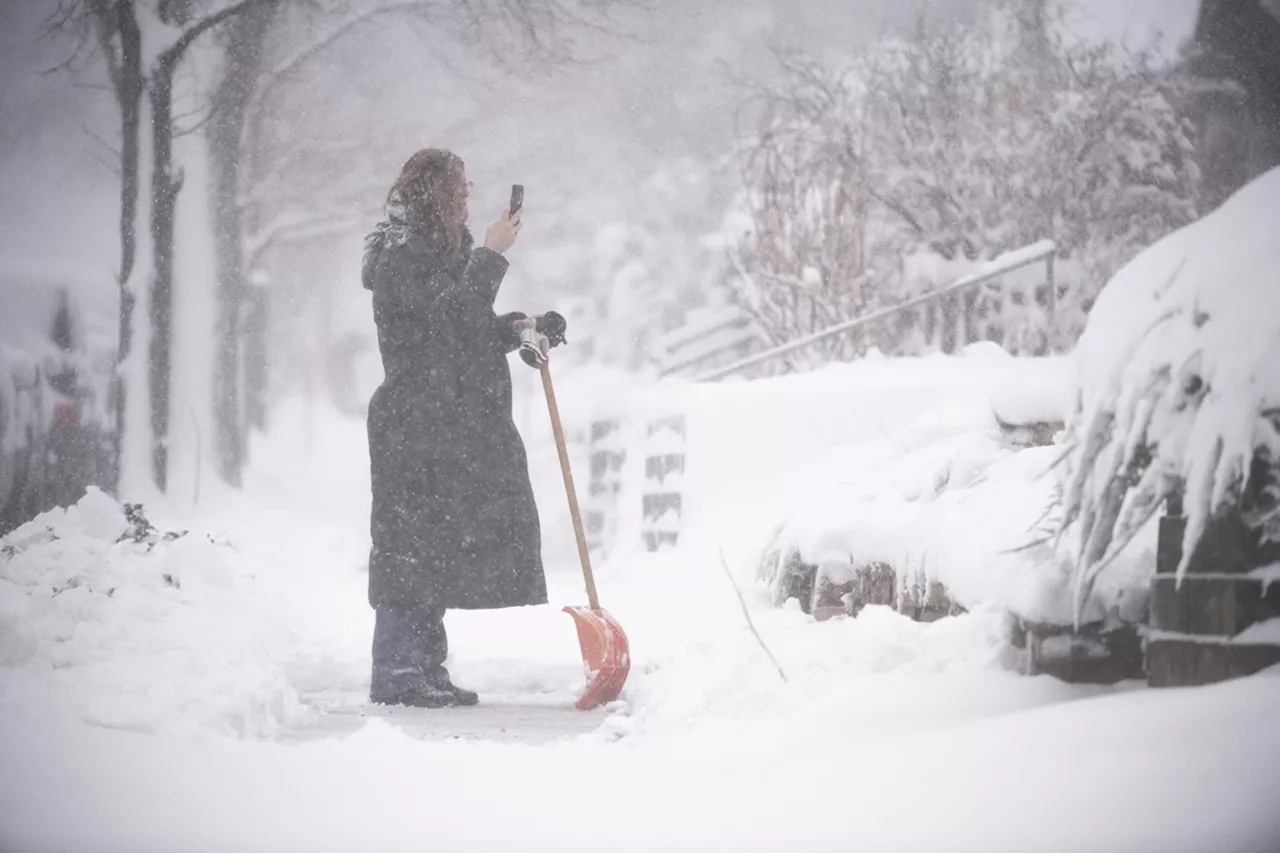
747	614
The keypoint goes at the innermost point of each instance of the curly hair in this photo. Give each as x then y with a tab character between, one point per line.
423	194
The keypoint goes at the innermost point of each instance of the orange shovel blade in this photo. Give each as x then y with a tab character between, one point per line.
606	655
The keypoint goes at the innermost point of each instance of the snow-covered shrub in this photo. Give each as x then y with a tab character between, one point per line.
107	618
957	145
1178	386
56	421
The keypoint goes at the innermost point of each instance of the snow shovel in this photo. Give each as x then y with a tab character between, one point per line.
606	655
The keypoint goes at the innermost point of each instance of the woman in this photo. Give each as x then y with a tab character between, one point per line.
454	522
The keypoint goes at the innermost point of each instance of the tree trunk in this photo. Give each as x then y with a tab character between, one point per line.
257	323
129	94
1239	132
245	41
164	194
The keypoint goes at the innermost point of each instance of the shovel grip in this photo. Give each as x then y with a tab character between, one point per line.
574	511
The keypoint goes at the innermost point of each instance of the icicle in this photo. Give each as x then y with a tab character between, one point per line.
1198	503
1096	441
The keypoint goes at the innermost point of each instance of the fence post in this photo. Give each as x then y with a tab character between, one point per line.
663	482
1052	307
608	454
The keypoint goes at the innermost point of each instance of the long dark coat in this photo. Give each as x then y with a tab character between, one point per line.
454	522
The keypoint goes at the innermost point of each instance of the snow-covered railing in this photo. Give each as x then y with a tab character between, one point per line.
1042	251
713	337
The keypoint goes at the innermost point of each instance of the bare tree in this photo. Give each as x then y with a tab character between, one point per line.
804	265
1239	124
113	26
120	29
165	185
951	147
244	43
127	33
332	181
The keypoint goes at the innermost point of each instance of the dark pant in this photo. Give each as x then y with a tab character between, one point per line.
408	645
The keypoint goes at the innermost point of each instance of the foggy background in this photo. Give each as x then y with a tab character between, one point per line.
581	138
629	147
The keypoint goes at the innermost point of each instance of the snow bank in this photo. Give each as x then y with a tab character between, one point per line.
967	511
1176	380
893	460
109	620
750	445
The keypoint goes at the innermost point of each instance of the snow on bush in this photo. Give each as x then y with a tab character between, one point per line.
901	462
107	618
54	323
959	142
1178	382
17	409
957	506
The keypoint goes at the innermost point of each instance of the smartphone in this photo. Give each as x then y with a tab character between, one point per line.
517	198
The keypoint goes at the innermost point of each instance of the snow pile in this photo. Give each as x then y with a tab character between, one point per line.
752	448
699	675
900	461
772	423
966	511
947	500
104	617
1178	386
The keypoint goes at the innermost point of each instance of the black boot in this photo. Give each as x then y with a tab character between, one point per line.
437	645
403	655
461	696
413	692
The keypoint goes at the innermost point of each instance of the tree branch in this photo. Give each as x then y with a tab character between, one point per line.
272	78
288	228
101	14
174	52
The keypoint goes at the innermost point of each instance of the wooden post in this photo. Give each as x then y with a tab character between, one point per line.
664	467
608	454
1052	301
1195	624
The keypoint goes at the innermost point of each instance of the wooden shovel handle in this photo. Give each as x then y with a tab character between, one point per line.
556	428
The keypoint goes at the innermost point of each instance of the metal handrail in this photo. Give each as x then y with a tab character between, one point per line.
1001	264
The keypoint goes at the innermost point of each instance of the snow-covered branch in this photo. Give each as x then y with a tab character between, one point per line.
171	55
295	226
954	146
272	78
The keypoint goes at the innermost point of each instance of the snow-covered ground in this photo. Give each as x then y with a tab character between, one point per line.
207	692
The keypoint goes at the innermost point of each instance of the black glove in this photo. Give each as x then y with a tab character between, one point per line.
552	325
